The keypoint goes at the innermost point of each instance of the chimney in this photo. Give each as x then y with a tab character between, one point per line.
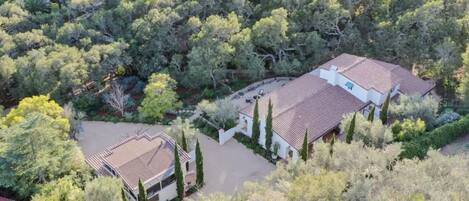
333	75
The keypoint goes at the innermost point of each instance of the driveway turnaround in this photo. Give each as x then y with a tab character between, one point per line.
95	136
228	166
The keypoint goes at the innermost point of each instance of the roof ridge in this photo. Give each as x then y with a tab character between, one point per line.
362	59
302	101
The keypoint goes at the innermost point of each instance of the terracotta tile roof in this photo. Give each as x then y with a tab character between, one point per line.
140	157
379	75
289	95
319	114
307	102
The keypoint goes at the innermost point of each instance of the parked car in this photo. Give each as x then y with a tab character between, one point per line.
248	100
261	92
256	97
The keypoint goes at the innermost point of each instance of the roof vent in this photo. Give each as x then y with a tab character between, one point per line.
333	67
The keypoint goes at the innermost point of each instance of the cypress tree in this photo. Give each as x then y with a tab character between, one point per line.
383	115
371	115
331	145
199	162
184	142
256	124
304	148
351	130
142	194
124	196
178	173
268	128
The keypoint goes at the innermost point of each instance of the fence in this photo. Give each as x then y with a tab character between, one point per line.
224	136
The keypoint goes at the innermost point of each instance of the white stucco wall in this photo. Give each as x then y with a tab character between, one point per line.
284	146
359	92
169	192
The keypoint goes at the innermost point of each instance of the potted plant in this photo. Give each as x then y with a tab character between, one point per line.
275	152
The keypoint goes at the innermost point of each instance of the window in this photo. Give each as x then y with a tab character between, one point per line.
110	169
154	198
154	189
349	85
131	194
290	153
168	180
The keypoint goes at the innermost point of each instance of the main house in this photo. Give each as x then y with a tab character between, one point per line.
318	100
146	158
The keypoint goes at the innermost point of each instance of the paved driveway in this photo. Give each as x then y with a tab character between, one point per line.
228	166
97	135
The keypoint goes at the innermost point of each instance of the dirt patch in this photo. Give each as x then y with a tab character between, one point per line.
461	145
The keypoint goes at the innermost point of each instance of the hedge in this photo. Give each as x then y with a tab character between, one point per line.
435	139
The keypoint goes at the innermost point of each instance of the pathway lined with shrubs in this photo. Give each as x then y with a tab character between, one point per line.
436	138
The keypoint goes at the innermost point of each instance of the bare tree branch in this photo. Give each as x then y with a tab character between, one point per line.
117	99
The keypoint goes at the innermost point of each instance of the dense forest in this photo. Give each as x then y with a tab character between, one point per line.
57	57
58	47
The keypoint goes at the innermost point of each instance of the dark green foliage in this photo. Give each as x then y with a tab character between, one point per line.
331	145
142	193
435	139
179	174
206	129
304	147
256	124
35	6
371	115
256	39
383	115
87	102
268	128
247	142
199	162
124	196
184	142
351	129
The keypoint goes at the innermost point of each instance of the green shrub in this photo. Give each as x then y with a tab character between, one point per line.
206	129
407	129
435	139
87	103
208	93
255	147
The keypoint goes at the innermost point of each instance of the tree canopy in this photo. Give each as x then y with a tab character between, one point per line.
159	97
35	152
357	172
104	188
56	47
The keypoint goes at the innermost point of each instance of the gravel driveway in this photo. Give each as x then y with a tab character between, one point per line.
228	166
